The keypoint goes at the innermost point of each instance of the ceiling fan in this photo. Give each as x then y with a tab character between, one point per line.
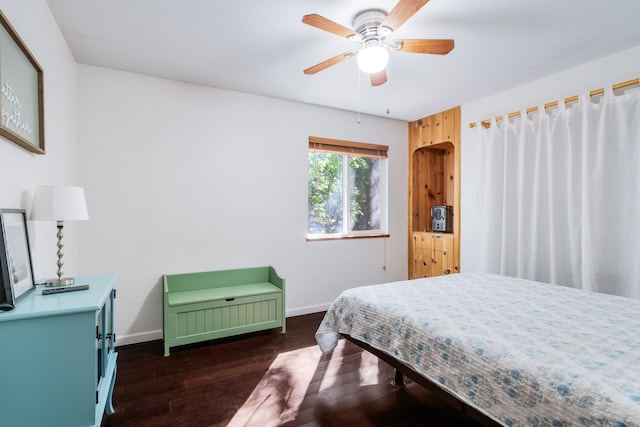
372	27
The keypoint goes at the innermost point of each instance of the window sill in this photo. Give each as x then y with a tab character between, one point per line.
321	237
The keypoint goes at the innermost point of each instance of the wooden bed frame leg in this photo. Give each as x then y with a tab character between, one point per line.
398	380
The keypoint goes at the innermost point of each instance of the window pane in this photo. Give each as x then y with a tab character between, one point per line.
364	192
325	193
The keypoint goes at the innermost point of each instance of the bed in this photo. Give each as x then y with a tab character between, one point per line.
522	353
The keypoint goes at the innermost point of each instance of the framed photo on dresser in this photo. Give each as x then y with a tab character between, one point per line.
15	255
6	295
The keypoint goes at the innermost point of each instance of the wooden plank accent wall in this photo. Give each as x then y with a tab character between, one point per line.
434	179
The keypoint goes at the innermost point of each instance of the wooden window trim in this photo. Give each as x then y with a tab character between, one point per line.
322	237
351	148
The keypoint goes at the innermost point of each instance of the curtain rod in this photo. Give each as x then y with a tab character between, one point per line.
487	123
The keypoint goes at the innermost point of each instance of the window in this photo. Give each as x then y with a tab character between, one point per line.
347	189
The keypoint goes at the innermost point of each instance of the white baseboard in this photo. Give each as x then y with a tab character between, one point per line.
138	338
307	310
157	335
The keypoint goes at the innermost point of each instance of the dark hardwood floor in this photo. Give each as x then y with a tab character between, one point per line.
268	379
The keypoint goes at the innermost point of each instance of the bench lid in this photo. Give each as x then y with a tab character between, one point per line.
212	294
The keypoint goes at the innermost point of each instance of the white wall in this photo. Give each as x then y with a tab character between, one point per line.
20	170
184	178
604	72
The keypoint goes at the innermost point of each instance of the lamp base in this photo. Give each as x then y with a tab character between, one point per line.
61	281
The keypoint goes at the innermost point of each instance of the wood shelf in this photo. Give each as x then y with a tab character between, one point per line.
434	179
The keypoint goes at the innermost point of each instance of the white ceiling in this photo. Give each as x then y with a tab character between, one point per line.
262	47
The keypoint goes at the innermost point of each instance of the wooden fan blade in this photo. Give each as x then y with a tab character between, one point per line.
379	78
436	47
328	63
404	10
325	24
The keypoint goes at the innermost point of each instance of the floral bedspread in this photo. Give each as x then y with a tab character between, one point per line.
522	352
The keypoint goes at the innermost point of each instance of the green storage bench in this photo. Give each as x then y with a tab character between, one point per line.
216	304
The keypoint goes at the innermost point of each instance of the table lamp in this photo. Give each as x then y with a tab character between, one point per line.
59	203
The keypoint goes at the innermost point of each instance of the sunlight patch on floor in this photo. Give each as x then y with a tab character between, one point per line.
368	371
277	397
279	394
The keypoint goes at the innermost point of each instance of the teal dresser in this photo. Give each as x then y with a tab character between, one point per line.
58	358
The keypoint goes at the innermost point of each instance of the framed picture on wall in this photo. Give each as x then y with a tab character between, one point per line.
22	87
16	253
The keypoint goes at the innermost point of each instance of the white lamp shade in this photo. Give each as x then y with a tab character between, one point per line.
373	58
59	203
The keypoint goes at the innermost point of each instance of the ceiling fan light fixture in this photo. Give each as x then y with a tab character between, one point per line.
371	29
373	58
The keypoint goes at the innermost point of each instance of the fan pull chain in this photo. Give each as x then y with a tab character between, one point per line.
388	89
359	94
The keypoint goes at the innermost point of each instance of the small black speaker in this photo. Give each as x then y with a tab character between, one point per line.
442	218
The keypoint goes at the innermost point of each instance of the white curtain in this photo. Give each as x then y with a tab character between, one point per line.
559	195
